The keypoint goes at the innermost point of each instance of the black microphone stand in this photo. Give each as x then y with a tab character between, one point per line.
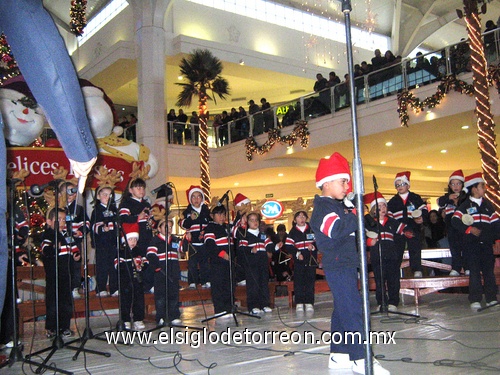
383	307
57	342
234	308
87	333
166	322
120	325
16	351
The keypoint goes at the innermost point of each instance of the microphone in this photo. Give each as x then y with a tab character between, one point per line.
161	187
37	190
375	185
224	197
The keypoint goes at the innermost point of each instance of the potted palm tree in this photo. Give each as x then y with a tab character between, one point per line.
202	70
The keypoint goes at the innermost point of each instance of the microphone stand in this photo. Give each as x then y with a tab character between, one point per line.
234	309
383	308
58	342
120	325
16	351
87	333
166	322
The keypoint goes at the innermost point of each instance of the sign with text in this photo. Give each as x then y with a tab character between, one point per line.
272	209
41	162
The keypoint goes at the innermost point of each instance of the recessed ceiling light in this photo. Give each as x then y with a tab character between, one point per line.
444	151
327	157
280	174
383	162
236	183
180	78
429	167
388	143
465	127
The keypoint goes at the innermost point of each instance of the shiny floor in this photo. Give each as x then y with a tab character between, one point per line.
448	338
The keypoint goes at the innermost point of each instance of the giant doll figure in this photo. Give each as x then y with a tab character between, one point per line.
45	64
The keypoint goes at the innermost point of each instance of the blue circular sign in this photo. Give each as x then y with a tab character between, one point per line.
272	209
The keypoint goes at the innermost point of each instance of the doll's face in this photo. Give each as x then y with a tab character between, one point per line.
23	118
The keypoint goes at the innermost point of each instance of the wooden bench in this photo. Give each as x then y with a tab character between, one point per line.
30	310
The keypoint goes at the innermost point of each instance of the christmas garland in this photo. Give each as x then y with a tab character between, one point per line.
300	131
77	13
408	99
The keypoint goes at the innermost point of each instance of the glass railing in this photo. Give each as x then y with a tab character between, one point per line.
388	81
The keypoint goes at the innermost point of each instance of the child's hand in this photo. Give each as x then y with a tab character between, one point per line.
76	256
225	256
408	234
188	236
475	231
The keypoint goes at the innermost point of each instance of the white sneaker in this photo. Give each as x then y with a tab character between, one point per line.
139	325
176	321
392	308
339	361
299	308
454	273
489	304
207	285
267	309
115	294
467	273
76	294
152	290
192	286
242	283
358	367
475	305
128	325
255	311
103	294
417	274
309	307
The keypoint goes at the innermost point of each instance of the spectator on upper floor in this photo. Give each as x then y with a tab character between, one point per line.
267	113
320	83
378	61
180	125
489	40
194	122
366	68
258	120
171	118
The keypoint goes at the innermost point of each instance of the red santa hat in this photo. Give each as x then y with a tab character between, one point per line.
457	175
333	168
403	176
240	199
18	84
473	179
131	230
192	189
369	199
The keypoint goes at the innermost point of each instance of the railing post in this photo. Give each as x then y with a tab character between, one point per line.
275	117
250	124
302	110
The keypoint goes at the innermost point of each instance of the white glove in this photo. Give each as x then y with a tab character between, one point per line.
81	171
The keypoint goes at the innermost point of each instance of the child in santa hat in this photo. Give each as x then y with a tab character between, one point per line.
383	255
131	289
335	230
163	258
242	206
449	202
477	220
195	219
409	208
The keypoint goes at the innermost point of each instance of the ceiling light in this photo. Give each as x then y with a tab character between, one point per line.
280	174
242	62
465	127
236	183
180	78
383	162
327	157
444	151
429	167
388	144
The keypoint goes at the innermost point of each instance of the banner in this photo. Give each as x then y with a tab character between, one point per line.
42	161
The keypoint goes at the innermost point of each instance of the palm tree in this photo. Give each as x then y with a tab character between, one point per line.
202	70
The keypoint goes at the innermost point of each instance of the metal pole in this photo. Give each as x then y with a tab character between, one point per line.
358	189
